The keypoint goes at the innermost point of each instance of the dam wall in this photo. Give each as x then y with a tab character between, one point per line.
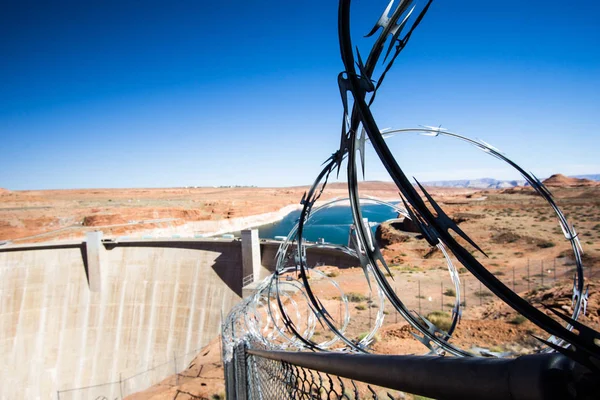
94	313
314	256
69	322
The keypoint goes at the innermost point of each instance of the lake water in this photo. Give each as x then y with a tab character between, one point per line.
332	224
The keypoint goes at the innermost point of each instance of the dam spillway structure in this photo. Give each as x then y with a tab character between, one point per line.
92	313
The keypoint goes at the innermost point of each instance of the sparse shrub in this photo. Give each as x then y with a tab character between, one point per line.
356	297
332	274
449	292
499	273
483	293
360	307
462	270
440	319
374	339
546	244
517	320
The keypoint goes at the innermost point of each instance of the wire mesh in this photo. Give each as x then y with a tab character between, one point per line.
267	379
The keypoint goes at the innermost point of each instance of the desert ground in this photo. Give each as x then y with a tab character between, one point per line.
525	249
50	215
519	233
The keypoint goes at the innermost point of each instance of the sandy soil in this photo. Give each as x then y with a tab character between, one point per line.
523	244
525	249
47	215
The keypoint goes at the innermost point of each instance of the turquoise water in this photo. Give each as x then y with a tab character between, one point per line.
331	224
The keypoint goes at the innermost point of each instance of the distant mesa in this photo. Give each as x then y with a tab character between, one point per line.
559	180
483	183
4	191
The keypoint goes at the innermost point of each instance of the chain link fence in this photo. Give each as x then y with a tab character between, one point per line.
255	377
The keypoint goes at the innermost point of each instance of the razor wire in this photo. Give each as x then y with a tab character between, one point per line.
285	310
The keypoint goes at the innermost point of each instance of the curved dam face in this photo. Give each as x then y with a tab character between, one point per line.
77	314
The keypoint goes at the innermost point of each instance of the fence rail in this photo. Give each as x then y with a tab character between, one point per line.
265	375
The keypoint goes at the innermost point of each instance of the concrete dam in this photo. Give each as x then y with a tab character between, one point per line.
92	313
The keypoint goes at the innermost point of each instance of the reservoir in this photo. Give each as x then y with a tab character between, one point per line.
331	224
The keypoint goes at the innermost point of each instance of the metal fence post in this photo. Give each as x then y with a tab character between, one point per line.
229	372
396	290
442	295
514	278
369	303
542	268
465	292
528	278
241	373
419	297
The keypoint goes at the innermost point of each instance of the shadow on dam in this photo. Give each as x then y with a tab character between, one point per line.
232	277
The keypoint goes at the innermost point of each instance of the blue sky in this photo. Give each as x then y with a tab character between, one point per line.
162	94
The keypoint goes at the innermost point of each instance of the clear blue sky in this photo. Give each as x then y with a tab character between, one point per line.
156	94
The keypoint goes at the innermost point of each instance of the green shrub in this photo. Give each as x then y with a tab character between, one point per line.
440	319
355	297
449	292
483	293
546	244
360	307
517	320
